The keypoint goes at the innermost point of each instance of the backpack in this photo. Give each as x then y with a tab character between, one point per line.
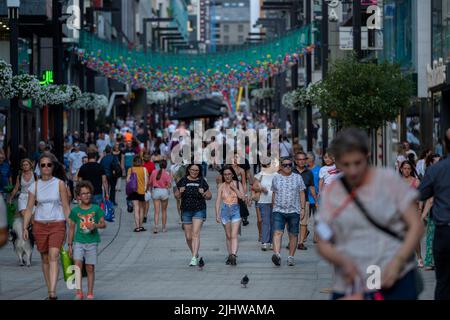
116	169
132	184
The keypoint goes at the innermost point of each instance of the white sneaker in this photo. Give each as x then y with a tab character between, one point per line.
264	247
194	262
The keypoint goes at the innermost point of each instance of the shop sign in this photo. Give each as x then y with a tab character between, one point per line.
436	74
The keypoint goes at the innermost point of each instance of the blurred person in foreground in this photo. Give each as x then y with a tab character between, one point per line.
436	185
368	217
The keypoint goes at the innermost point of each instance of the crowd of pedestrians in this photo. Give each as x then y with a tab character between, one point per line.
362	215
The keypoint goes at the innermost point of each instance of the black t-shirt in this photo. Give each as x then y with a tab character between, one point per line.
143	138
93	172
308	179
191	199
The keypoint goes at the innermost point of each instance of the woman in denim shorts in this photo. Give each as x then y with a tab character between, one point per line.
193	191
228	211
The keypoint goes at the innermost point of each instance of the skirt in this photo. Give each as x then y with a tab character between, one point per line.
136	197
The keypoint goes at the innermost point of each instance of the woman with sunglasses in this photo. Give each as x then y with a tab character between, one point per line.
193	191
227	210
49	195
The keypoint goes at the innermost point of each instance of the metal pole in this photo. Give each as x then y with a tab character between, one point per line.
14	104
309	118
357	28
325	44
58	110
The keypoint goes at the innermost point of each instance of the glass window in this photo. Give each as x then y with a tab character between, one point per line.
241	39
226	28
241	28
398	33
441	29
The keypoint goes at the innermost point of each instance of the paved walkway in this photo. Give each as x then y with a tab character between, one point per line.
147	266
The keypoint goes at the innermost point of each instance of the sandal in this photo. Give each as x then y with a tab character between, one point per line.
137	230
51	296
142	229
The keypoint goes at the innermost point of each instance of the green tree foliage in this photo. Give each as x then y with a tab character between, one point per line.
364	95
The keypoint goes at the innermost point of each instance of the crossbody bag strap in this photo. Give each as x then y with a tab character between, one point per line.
366	214
35	193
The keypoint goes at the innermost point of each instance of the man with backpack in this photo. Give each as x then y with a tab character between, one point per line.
113	172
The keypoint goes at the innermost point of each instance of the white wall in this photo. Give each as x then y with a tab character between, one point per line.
422	40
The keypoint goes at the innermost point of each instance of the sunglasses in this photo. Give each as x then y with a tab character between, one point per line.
287	165
48	165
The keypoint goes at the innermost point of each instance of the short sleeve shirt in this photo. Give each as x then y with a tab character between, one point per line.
287	193
191	199
308	180
82	219
93	172
328	174
386	196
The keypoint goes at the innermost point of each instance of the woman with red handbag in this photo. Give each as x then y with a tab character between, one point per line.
368	225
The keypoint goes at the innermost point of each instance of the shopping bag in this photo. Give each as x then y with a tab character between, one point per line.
108	208
66	262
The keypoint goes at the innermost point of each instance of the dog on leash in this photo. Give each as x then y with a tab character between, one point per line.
23	249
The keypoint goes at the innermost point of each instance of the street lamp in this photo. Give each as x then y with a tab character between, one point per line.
13	15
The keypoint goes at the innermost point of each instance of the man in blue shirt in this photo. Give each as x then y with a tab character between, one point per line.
436	184
314	168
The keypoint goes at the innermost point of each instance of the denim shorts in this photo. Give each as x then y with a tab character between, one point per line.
187	216
230	213
280	219
88	251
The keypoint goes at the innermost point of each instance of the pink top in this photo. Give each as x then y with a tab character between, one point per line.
163	183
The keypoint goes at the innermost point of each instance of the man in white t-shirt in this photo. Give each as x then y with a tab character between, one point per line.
101	143
285	148
76	159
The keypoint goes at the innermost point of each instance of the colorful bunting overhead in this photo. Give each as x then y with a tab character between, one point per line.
193	73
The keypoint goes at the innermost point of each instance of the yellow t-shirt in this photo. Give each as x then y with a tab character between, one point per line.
140	173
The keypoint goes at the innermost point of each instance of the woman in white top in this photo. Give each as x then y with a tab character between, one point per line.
328	173
49	195
367	222
24	180
263	185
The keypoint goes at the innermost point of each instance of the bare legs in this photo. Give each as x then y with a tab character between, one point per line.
157	206
139	208
192	234
50	269
164	204
90	269
231	233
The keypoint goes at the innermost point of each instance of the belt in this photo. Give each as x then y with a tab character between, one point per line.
49	222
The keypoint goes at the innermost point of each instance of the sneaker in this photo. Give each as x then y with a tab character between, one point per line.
301	246
264	247
245	222
79	296
290	261
271	246
194	262
228	262
276	259
90	297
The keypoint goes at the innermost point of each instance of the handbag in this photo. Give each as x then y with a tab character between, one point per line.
132	184
365	212
243	210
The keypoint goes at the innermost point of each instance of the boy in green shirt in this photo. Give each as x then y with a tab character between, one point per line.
85	220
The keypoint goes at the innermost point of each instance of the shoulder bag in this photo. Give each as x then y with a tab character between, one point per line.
365	212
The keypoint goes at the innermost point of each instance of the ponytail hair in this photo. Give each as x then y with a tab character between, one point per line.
162	166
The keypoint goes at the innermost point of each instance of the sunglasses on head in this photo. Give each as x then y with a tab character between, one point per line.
48	165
